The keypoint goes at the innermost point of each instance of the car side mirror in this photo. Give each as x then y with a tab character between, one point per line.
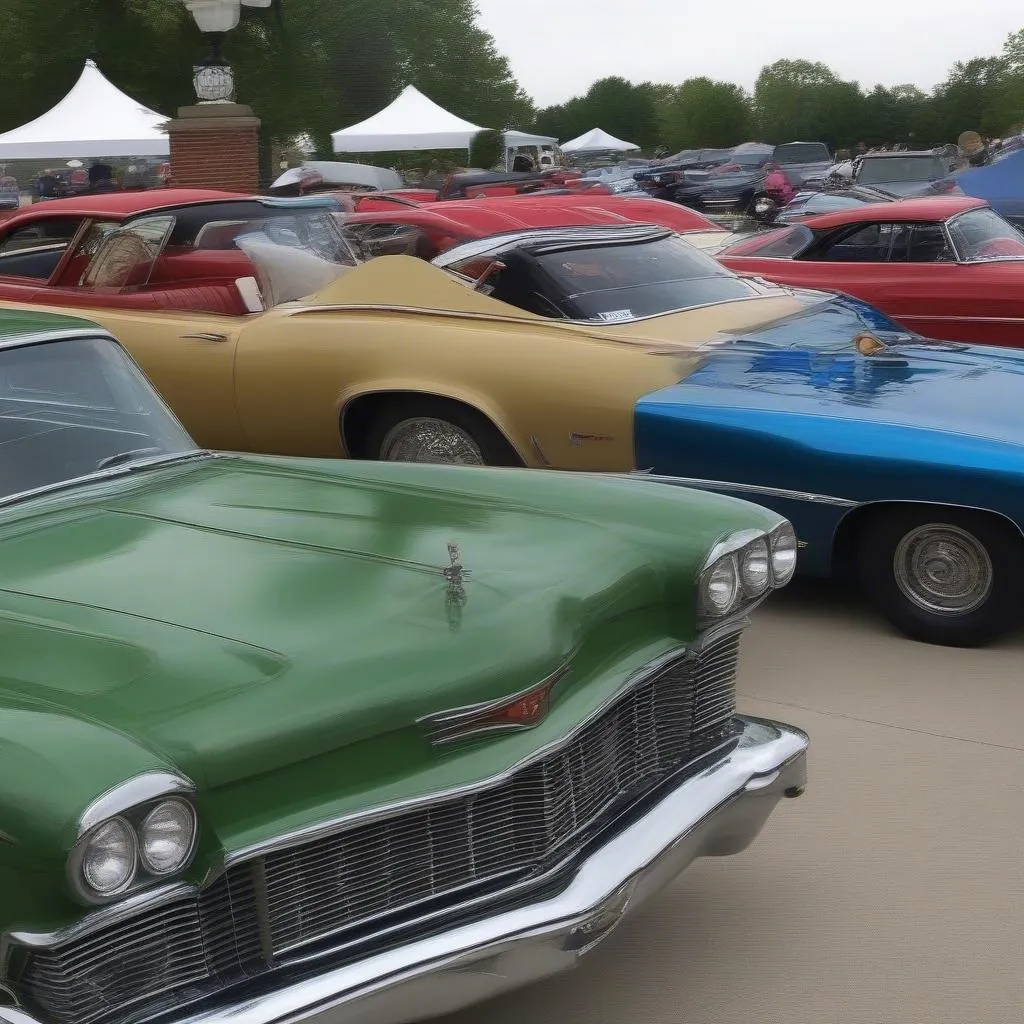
249	290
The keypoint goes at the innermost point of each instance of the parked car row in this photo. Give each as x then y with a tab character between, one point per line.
412	697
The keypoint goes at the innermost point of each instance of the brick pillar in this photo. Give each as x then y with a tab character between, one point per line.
215	145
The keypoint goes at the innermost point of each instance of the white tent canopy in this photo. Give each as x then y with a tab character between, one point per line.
411	121
597	141
95	119
514	139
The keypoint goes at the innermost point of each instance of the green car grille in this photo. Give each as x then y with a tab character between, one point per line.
384	874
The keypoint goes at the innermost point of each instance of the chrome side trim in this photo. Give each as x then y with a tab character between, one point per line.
727	485
532	318
42	337
126	795
104	474
966	319
455	725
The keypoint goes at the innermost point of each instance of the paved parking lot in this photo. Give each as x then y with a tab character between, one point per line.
891	893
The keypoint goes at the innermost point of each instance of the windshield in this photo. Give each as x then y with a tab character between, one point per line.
802	153
76	407
615	283
142	252
901	168
981	235
785	243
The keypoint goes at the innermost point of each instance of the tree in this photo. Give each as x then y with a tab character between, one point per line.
702	112
801	99
303	65
972	98
620	107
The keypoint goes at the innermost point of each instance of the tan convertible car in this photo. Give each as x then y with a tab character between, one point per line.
266	334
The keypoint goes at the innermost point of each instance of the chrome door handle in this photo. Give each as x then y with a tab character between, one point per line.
204	337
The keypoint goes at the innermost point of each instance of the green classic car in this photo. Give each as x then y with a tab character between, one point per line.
284	740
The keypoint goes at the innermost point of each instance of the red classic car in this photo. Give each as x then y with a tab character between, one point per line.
174	249
948	268
381	225
166	249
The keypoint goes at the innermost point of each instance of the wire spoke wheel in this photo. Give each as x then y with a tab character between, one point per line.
943	569
427	439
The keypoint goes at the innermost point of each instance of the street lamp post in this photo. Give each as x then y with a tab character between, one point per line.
215	142
214	81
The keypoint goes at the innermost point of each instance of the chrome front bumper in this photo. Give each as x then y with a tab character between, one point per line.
717	812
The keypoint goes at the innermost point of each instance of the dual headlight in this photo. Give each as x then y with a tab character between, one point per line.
132	848
744	567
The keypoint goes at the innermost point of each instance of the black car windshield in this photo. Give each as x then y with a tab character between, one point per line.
981	235
900	168
615	283
76	407
802	153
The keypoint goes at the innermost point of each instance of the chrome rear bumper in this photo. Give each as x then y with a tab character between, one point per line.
717	812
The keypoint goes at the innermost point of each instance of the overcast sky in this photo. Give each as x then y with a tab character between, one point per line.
558	47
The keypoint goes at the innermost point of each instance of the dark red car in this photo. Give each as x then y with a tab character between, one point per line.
381	225
948	268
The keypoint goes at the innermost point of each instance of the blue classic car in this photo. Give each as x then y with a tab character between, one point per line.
899	460
1000	184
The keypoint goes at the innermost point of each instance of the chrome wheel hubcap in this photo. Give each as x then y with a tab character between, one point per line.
943	569
426	439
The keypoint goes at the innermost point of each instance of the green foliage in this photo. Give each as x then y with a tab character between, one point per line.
312	66
702	112
303	65
621	108
488	150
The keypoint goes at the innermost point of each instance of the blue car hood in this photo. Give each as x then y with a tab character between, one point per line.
805	375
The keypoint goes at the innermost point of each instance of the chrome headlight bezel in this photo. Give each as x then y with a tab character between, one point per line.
83	848
783	538
131	805
740	554
187	848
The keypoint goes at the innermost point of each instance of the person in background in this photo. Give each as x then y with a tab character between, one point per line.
101	179
522	163
47	186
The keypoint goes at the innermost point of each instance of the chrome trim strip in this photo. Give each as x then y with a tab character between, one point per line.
964	319
127	795
452	726
726	485
530	317
731	544
42	337
104	474
148	899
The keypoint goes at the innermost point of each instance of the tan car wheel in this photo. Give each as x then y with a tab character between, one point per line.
434	430
425	439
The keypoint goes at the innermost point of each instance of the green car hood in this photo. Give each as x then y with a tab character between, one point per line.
234	615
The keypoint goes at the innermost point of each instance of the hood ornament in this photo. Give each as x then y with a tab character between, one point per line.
455	575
